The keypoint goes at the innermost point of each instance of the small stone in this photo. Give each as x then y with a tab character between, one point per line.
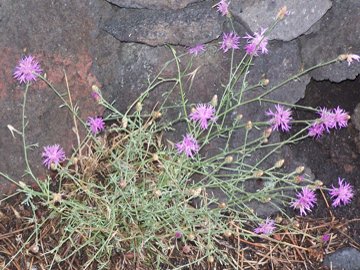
343	259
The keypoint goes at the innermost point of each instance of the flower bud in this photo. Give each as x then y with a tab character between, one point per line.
238	117
258	173
299	169
124	122
282	12
155	157
222	205
279	163
156	114
53	166
264	82
157	193
318	183
229	159
342	57
210	259
139	107
249	125
191	236
122	184
214	101
227	233
278	219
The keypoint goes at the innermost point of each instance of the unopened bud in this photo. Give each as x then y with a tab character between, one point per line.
265	141
222	205
249	125
278	219
258	173
227	233
282	12
53	166
229	159
95	88
318	183
267	132
279	163
22	184
191	236
342	57
156	115
238	117
155	157
193	110
195	192
157	193
264	82
122	184
34	248
210	259
299	169
139	107
124	122
214	101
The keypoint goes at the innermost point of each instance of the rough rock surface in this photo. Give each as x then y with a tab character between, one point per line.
198	23
153	4
336	33
343	259
260	13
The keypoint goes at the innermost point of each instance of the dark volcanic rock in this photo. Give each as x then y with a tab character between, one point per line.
259	13
343	259
338	33
153	4
196	24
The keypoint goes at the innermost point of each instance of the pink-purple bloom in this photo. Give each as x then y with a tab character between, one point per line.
342	194
96	124
203	113
230	41
327	119
281	118
197	49
256	44
188	145
266	227
53	154
27	70
223	7
351	57
178	234
305	200
316	130
341	117
326	237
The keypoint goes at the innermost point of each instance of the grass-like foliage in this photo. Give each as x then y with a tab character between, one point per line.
128	198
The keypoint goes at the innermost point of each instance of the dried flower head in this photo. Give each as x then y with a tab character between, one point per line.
203	113
53	154
230	41
96	124
188	145
281	118
305	200
256	44
223	7
342	194
27	70
266	227
197	49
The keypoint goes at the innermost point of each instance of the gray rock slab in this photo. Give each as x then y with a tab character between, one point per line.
343	259
153	4
199	23
338	33
259	13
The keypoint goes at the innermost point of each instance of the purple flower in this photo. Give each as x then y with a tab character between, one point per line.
178	235
96	96
344	193
96	124
351	57
223	7
341	117
305	201
188	145
202	114
230	41
326	237
53	154
256	44
280	118
316	130
27	70
199	48
266	227
327	118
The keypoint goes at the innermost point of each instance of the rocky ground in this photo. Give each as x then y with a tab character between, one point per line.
116	44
